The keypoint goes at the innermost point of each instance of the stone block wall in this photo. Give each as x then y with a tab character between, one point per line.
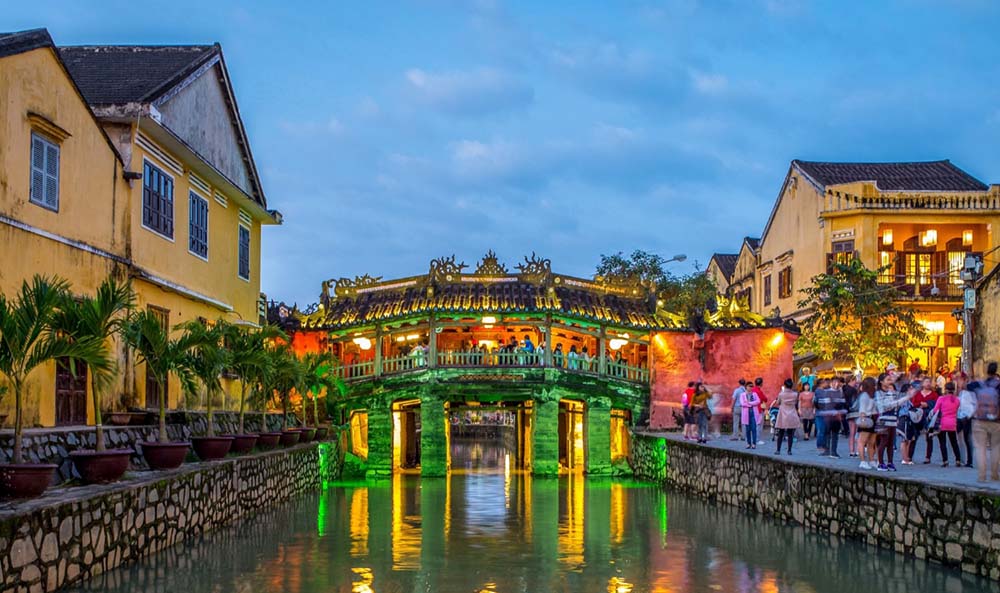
53	445
68	536
952	526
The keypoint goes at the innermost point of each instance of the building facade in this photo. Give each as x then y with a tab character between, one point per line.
915	222
130	161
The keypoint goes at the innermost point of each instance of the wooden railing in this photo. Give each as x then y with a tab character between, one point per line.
572	364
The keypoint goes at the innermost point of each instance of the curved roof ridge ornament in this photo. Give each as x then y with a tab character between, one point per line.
535	269
491	266
444	269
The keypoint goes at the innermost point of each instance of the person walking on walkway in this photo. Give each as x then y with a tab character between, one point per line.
821	404
851	405
887	402
806	410
699	406
924	400
986	427
788	417
966	408
758	389
865	423
738	411
947	407
750	403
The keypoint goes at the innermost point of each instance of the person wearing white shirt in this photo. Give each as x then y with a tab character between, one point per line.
966	408
738	411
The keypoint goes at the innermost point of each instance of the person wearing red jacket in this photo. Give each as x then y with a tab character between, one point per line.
759	392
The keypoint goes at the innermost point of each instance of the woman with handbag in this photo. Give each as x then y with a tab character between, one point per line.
887	402
865	422
946	409
787	421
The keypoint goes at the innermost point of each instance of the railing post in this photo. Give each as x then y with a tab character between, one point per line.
378	351
548	341
602	345
432	343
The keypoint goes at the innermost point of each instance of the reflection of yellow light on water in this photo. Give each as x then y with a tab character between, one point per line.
506	480
359	522
619	585
364	581
617	513
571	532
488	588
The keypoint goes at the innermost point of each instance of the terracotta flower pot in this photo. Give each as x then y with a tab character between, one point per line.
212	448
164	455
306	434
268	440
289	437
242	443
118	418
25	480
100	467
321	433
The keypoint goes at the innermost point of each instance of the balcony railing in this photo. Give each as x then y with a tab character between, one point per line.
945	290
980	202
572	364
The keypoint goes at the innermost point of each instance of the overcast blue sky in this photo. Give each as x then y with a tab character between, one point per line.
392	133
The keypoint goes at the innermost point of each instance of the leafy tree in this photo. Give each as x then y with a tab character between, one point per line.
250	358
286	374
319	376
98	319
207	358
855	318
688	296
145	333
29	339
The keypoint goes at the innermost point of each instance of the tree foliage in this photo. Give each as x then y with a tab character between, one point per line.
855	318
688	296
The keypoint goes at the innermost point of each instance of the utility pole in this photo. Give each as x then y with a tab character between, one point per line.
972	270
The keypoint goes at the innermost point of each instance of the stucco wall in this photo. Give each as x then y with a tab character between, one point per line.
728	355
69	536
948	525
986	337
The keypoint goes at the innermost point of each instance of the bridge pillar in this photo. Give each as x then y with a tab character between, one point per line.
379	440
433	435
545	434
598	426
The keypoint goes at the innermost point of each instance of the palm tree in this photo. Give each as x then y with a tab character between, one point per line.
29	339
249	358
286	375
318	373
145	333
208	358
99	319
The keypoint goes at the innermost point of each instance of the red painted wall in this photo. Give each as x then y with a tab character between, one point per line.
729	355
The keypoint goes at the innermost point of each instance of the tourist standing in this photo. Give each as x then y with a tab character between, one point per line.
834	416
966	408
699	405
887	402
557	356
851	406
986	426
758	389
788	417
924	401
807	411
824	385
750	402
738	410
690	427
865	423
947	407
573	359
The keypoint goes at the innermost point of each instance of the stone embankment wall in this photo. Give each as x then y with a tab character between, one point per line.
52	445
76	533
952	526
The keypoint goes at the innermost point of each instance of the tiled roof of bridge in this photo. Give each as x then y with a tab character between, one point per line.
479	298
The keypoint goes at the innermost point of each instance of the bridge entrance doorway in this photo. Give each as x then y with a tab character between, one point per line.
572	445
489	436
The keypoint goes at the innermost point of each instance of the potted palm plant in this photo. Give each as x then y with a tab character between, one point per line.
250	361
286	376
28	340
208	358
98	319
318	376
150	340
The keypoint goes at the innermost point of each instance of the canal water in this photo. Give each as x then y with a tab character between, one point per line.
487	529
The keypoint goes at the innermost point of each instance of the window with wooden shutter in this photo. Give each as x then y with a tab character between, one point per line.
244	254
198	225
44	173
785	283
767	290
157	201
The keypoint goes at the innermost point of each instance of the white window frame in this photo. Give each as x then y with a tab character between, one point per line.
208	235
249	252
173	199
47	143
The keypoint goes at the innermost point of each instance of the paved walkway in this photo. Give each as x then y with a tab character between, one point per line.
804	452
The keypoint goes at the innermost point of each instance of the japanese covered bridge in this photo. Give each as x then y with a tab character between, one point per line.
565	365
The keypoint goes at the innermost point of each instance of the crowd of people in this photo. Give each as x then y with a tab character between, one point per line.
878	417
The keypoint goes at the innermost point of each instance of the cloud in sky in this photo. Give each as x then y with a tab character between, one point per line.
476	92
392	134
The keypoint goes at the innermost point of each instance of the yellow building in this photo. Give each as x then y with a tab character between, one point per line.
915	220
720	269
735	274
126	160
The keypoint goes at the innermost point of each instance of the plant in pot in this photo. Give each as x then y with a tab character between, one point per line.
28	340
319	375
208	358
150	339
98	319
286	376
250	360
